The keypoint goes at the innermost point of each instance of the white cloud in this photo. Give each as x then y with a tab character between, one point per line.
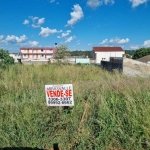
15	39
1	37
64	34
115	40
108	2
41	21
38	23
90	44
104	41
45	32
58	37
76	15
22	40
70	39
133	47
33	18
119	41
147	43
52	1
33	43
26	22
123	41
78	42
111	41
136	3
95	3
67	33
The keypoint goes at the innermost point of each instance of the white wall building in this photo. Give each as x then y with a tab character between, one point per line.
37	52
15	56
104	53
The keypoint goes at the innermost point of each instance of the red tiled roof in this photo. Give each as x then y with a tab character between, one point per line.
107	49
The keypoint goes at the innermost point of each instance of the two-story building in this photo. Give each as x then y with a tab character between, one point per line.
37	52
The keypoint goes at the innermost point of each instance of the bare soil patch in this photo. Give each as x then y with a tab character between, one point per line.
144	59
135	68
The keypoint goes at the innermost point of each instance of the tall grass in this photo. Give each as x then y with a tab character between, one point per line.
111	111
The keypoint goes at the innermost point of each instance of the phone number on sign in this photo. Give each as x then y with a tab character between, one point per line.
66	100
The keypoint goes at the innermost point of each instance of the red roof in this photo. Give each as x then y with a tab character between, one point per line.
107	49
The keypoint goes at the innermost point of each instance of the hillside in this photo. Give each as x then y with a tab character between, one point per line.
135	68
144	59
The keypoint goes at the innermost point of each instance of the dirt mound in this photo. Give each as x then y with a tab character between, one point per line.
144	59
135	68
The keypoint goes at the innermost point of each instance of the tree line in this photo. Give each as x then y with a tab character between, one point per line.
63	51
82	53
141	53
136	54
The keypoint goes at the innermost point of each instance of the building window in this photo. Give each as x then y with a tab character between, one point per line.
24	55
41	50
42	55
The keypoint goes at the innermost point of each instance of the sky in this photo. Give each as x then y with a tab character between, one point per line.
78	24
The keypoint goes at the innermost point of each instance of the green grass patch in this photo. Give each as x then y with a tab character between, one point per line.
111	111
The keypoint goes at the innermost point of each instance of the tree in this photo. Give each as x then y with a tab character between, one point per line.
129	52
82	53
5	58
61	52
141	53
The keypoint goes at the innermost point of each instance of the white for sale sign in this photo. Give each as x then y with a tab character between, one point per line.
59	95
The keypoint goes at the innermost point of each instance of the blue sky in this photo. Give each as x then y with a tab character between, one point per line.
79	24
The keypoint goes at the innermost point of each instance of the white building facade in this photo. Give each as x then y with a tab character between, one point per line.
15	56
37	52
104	53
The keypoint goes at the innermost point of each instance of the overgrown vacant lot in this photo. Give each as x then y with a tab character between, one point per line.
111	111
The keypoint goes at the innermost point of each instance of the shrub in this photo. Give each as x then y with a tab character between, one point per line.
5	59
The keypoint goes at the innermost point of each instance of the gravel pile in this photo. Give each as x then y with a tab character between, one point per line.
135	68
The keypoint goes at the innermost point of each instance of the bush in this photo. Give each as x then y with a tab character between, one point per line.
5	59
